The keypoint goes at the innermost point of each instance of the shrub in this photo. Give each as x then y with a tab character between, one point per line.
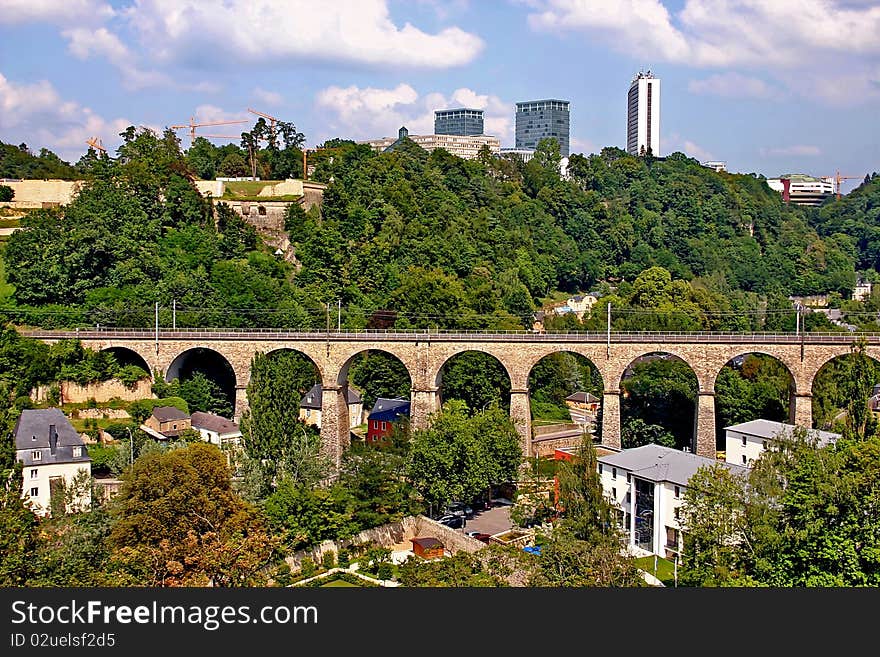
343	558
53	395
385	570
307	567
328	559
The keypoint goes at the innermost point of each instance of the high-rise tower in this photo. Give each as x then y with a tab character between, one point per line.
462	121
643	115
537	119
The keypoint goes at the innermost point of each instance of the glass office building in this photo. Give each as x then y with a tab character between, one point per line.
538	119
461	121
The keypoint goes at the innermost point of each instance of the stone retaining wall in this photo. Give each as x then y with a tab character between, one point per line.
392	534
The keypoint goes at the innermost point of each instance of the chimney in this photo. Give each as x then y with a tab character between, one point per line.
53	438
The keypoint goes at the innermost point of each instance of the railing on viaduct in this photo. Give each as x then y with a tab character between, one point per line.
424	352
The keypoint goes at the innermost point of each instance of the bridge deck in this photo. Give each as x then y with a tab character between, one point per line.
460	336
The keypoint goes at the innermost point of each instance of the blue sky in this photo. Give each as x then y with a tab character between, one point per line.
768	86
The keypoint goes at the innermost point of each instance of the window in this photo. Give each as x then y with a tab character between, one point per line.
34	473
628	497
600	468
744	441
671	537
35	492
676	512
677	492
614	493
765	444
628	477
384	426
375	424
308	412
77	452
614	473
37	455
745	461
173	426
375	438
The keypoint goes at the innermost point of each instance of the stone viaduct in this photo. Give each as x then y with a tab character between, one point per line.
425	352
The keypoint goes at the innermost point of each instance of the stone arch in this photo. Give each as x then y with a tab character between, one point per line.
787	412
128	356
818	415
745	351
213	364
681	423
584	412
342	375
615	374
438	377
318	366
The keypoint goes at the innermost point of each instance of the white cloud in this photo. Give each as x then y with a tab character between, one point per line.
712	33
585	146
268	97
697	151
358	31
733	85
366	113
83	43
59	12
641	27
804	44
799	150
36	114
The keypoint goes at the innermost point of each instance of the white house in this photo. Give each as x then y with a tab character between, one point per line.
53	455
310	407
862	290
744	443
216	429
581	304
646	485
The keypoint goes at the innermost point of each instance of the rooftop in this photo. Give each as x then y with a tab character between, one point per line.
583	397
770	429
458	109
427	542
312	399
49	431
389	409
543	100
169	413
211	422
657	463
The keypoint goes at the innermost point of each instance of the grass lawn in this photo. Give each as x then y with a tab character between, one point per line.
665	569
6	290
338	582
246	187
103	423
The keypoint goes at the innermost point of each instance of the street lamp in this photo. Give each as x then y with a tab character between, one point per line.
130	446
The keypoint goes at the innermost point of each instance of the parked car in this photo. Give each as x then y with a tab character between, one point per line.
452	521
459	509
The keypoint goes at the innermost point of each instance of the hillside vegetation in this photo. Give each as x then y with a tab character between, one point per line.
412	239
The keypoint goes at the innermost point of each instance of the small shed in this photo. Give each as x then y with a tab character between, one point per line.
427	547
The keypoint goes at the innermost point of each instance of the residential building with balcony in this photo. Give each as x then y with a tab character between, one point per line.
646	485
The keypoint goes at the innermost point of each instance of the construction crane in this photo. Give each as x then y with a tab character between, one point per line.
272	120
192	125
838	178
95	142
